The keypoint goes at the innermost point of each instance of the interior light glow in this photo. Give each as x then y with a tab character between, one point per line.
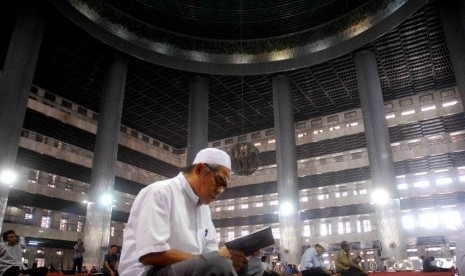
443	181
426	108
286	208
408	222
271	141
8	176
421	184
451	219
257	144
403	186
380	196
106	199
462	178
407	112
427	222
390	116
445	104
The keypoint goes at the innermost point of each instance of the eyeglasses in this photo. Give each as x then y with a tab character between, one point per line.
221	182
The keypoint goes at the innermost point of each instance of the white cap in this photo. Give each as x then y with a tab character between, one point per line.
324	245
213	156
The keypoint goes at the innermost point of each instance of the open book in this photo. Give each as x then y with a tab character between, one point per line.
252	242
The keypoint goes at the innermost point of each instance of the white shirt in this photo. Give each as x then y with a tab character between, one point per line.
7	260
166	215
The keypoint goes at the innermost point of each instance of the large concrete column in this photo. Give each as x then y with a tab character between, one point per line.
453	24
15	87
198	117
286	165
98	218
390	230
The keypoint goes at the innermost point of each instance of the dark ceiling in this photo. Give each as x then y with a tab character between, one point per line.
234	20
412	58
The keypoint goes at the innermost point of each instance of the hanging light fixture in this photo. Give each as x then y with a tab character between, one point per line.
244	155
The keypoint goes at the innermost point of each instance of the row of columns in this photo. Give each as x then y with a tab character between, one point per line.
16	80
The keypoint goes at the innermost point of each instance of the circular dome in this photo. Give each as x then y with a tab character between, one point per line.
237	37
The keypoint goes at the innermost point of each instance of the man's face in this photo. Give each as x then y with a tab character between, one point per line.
113	250
319	250
11	239
212	183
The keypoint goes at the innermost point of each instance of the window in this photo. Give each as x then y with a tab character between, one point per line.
52	180
348	227
306	231
366	225
245	232
259	204
230	235
323	193
451	219
427	220
112	231
63	223
408	221
273	203
275	232
79	226
244	206
45	223
325	229
340	227
230	208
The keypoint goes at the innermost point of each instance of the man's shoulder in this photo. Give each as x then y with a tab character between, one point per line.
166	184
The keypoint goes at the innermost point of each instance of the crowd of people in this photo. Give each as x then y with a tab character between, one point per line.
170	232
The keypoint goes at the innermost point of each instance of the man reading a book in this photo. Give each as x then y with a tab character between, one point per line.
170	230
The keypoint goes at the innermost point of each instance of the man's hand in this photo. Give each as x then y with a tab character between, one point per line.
238	258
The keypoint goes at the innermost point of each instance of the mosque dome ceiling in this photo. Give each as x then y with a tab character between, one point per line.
237	37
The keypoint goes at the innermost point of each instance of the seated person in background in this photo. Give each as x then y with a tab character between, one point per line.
170	230
291	269
93	270
110	262
312	262
255	267
428	266
268	267
344	264
10	258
